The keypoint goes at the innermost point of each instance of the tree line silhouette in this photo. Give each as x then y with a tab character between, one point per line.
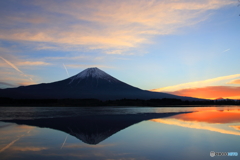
121	102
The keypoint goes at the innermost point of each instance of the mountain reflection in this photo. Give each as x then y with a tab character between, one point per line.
222	121
92	129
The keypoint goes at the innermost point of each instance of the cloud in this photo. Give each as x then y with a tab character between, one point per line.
70	57
17	69
66	69
115	52
102	24
86	66
12	65
26	83
124	52
13	79
196	84
227	50
33	63
9	77
235	81
6	84
210	92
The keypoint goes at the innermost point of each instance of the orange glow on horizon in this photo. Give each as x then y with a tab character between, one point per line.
211	92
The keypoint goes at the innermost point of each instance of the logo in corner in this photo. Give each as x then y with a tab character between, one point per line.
212	153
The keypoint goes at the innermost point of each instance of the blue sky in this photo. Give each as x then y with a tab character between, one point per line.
148	44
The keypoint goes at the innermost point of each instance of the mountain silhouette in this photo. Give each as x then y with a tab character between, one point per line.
91	129
90	83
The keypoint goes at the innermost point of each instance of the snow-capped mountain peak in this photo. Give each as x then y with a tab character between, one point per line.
92	72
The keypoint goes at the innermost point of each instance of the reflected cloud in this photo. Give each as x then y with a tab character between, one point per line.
29	148
213	120
196	125
10	144
212	116
236	127
14	141
25	127
7	129
12	133
88	146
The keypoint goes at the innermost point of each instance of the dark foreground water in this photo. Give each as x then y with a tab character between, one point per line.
119	133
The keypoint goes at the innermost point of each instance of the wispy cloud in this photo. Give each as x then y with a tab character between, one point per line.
33	63
10	144
235	81
17	69
66	69
196	84
64	141
6	84
14	141
26	83
104	24
8	76
29	148
87	66
226	50
12	65
13	79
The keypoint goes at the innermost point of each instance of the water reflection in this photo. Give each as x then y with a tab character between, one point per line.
91	129
222	121
123	136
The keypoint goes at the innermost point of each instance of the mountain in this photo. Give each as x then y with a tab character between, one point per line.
90	83
91	129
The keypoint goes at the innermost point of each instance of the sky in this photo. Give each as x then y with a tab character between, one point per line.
183	47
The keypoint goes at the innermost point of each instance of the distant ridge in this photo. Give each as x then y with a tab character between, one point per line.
90	83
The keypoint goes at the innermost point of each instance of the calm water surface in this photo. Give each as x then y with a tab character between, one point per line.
121	133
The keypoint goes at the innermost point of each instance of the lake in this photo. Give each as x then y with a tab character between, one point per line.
119	133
